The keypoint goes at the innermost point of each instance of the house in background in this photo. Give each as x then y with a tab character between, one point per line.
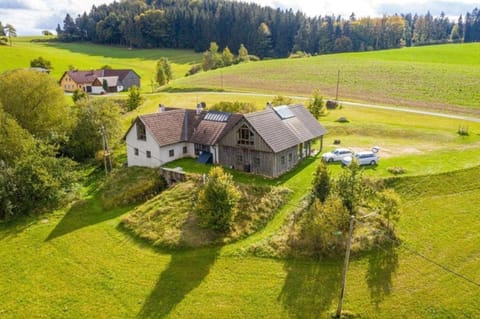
269	142
95	81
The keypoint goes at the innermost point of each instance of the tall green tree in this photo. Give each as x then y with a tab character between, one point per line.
281	100
321	183
15	142
11	32
316	105
32	176
217	201
243	54
263	43
211	58
86	137
227	57
134	98
35	101
163	71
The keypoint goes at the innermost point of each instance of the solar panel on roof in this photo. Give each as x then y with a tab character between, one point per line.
283	112
217	116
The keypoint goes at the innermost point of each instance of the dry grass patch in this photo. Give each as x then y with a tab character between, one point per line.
169	219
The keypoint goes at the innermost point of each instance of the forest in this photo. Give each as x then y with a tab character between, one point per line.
266	32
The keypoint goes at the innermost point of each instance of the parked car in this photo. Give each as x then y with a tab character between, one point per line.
336	155
362	158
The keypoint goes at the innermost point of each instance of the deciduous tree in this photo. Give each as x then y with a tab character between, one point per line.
10	32
86	137
36	101
163	71
134	98
217	201
316	105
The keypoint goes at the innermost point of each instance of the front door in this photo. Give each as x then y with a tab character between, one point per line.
246	161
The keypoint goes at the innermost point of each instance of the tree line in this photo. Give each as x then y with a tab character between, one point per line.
266	32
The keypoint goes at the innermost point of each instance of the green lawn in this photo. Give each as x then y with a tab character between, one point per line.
78	262
442	77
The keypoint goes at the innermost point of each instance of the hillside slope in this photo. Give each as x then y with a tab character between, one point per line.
442	77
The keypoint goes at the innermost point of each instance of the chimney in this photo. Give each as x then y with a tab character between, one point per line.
199	108
185	127
161	108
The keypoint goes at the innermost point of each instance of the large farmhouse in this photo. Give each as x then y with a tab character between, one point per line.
268	142
99	81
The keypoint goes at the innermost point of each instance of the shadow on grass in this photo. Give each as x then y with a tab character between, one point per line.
82	214
382	265
186	271
123	52
86	212
310	287
15	227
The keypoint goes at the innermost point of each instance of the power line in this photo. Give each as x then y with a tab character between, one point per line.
403	245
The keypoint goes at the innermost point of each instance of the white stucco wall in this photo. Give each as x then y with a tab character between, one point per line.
159	155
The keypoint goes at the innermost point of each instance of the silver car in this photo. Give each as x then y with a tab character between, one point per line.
362	158
336	155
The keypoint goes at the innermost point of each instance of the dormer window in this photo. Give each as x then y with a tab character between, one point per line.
245	136
141	131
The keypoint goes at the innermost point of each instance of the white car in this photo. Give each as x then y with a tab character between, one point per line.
362	158
336	155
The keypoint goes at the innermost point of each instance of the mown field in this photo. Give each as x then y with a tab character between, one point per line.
86	56
78	262
438	77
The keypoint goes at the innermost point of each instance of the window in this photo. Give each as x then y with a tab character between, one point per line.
244	136
149	154
290	157
239	159
185	150
171	153
141	131
282	160
135	151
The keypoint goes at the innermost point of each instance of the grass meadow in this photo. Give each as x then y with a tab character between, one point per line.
86	56
443	77
79	262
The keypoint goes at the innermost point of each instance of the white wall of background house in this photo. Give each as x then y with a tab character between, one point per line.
148	153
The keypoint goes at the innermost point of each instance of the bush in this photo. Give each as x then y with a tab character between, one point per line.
194	69
396	170
233	107
217	201
298	55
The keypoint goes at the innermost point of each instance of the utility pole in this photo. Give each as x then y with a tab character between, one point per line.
107	161
338	83
345	268
221	74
